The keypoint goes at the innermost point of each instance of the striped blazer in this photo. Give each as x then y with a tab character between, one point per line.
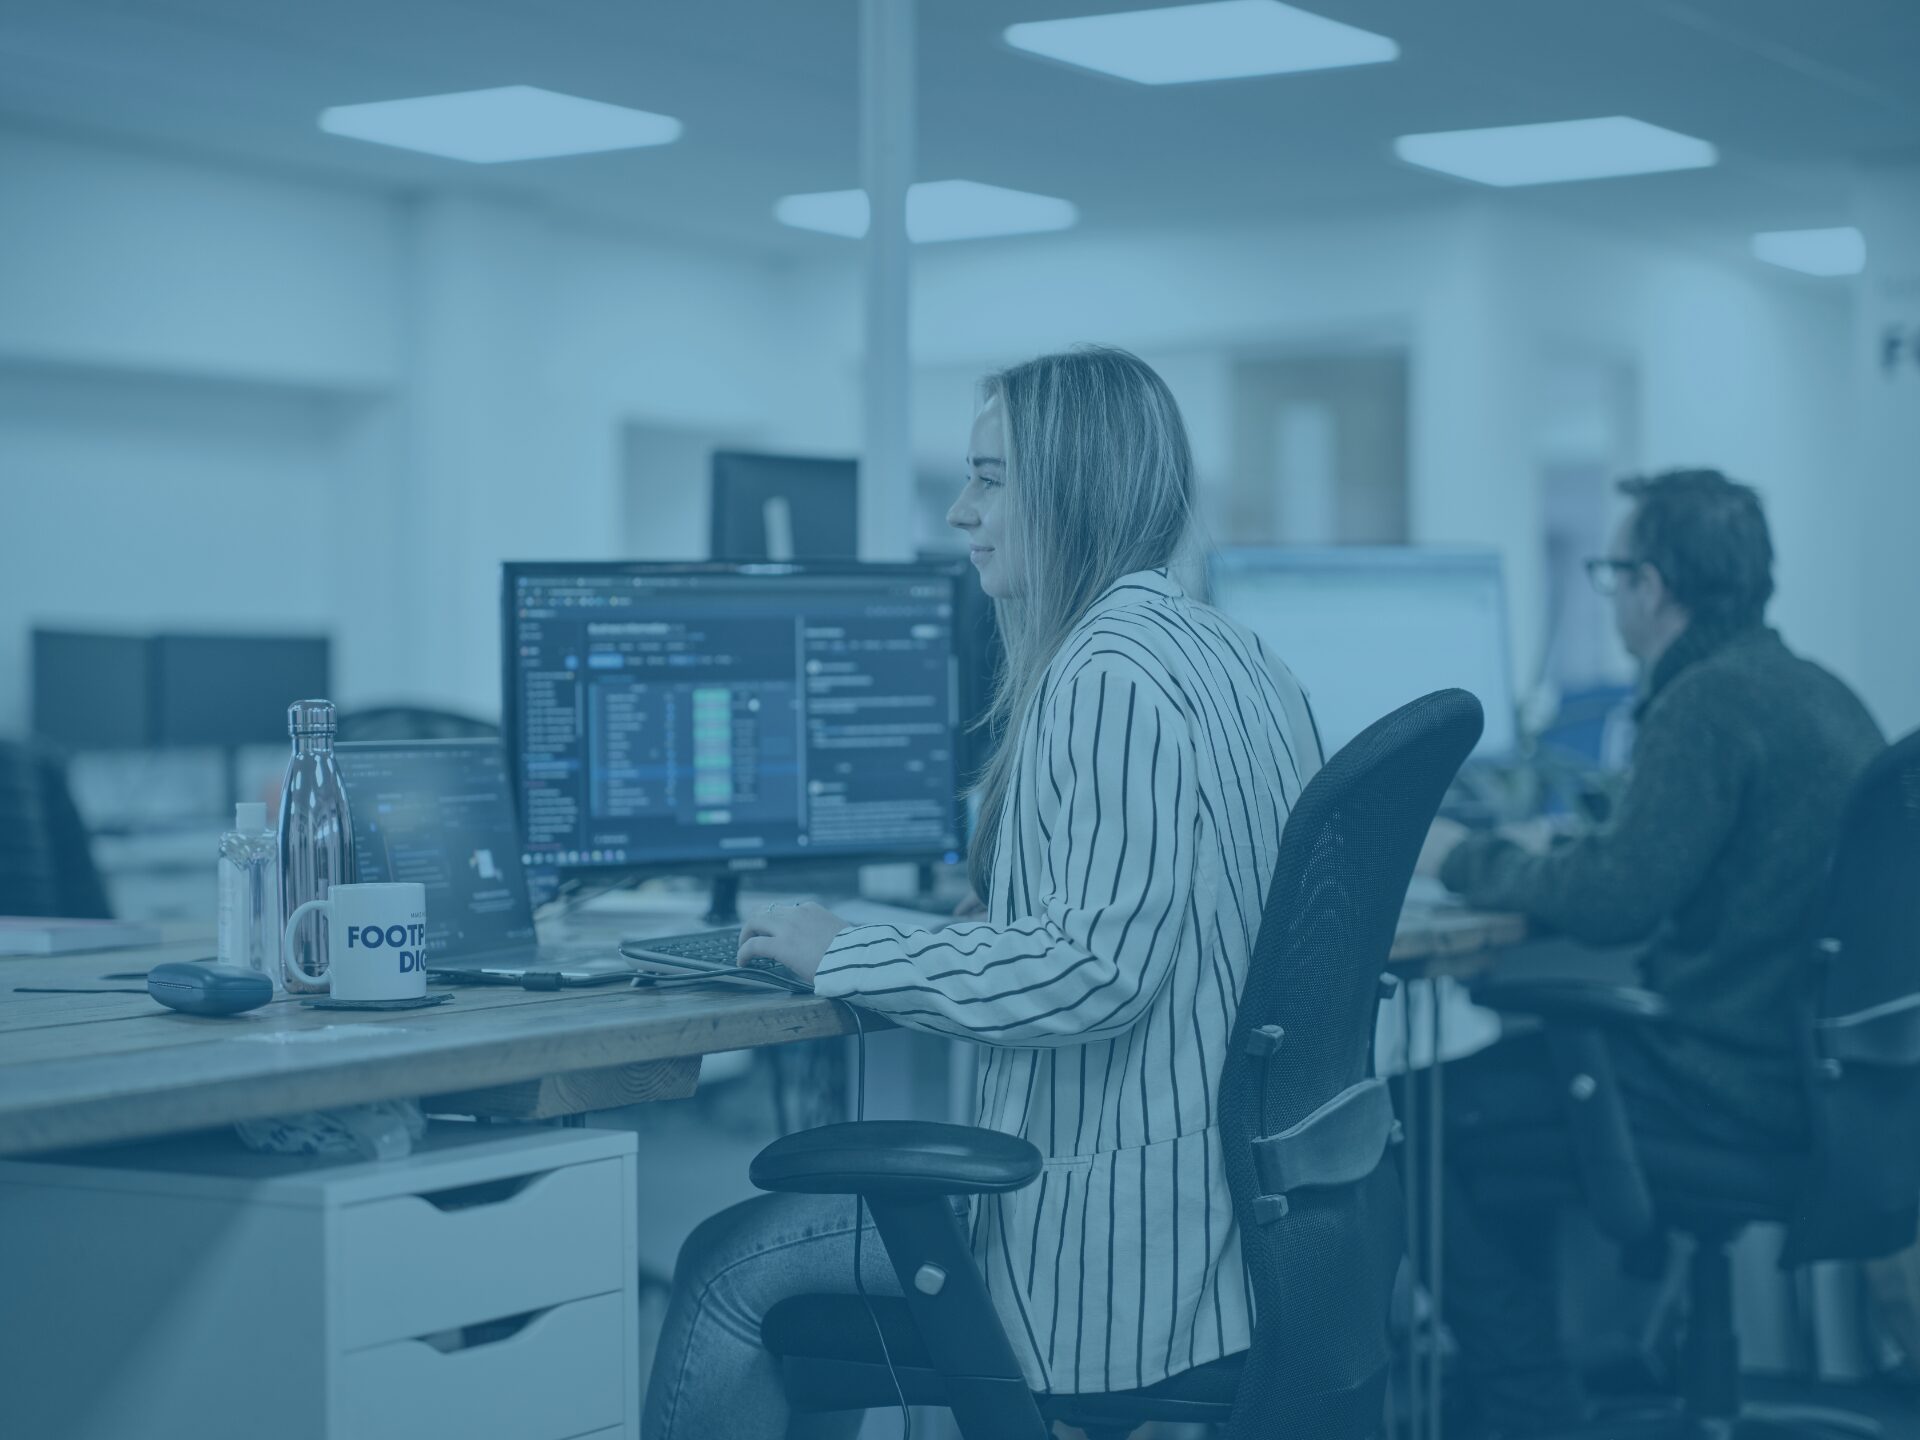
1130	869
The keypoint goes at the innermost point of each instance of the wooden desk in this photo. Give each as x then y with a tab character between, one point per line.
94	1069
1446	940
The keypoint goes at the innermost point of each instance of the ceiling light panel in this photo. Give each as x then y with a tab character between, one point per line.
1559	151
1841	250
512	122
1182	44
936	210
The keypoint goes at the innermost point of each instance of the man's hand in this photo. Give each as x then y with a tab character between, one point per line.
1442	838
795	933
1537	836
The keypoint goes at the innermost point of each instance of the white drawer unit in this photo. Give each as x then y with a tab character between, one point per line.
559	1371
483	1288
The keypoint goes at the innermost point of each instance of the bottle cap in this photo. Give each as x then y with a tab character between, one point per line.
250	817
310	717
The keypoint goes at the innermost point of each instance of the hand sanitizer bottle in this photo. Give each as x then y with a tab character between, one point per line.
250	894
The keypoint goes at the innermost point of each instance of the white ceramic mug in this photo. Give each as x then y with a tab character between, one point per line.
376	941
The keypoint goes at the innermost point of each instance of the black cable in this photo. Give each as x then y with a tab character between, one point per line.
859	1223
573	894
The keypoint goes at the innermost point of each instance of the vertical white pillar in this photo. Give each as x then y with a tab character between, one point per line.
1886	483
483	486
886	165
1472	473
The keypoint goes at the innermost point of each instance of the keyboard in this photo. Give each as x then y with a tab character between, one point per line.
716	947
712	954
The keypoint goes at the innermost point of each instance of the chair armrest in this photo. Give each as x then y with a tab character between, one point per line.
899	1159
1573	1002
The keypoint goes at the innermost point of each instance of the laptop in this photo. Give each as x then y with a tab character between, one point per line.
441	812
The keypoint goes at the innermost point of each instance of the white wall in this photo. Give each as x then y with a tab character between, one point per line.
1880	476
229	400
140	262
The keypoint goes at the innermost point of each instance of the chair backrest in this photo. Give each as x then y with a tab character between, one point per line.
46	865
1863	1188
1323	1269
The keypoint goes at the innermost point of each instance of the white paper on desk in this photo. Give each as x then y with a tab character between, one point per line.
1464	1026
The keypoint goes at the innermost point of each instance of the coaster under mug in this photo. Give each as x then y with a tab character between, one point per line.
410	1002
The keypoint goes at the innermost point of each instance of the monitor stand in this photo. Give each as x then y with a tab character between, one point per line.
723	908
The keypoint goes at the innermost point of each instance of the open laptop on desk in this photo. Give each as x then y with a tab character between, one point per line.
440	812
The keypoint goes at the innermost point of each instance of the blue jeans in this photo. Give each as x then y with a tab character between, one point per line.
710	1375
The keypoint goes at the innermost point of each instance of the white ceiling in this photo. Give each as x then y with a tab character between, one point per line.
1792	91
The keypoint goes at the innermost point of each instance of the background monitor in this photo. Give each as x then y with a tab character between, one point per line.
234	689
1366	629
784	507
711	717
94	691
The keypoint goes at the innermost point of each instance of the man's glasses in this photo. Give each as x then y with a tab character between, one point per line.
1608	574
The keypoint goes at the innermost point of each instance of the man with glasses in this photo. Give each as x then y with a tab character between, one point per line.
1712	863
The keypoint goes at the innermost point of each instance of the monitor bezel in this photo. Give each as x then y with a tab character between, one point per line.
512	571
1306	559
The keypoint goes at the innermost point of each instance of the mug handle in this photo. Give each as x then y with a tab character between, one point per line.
291	957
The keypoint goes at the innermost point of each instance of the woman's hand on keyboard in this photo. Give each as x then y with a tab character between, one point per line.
796	934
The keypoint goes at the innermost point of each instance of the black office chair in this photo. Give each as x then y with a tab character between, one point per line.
1304	1129
1854	1197
46	863
410	722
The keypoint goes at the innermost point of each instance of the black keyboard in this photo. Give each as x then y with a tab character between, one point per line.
719	947
713	953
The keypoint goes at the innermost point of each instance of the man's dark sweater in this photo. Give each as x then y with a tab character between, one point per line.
1716	856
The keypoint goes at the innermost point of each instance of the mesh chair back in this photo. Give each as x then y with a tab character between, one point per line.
1323	1271
46	865
1863	1188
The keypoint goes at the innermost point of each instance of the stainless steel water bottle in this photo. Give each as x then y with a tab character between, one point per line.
316	837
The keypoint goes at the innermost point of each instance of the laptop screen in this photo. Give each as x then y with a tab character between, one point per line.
440	812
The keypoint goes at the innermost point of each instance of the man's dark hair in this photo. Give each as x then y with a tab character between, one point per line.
1707	536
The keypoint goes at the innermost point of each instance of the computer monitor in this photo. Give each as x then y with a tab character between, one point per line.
784	507
440	812
719	718
1368	628
234	689
93	691
100	691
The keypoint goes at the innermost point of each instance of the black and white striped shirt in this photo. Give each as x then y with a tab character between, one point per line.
1132	861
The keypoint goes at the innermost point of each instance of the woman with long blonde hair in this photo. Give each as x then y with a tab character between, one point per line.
1130	816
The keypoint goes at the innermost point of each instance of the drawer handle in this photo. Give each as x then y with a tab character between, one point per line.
485	1192
483	1334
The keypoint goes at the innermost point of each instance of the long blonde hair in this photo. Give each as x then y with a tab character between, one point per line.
1099	484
